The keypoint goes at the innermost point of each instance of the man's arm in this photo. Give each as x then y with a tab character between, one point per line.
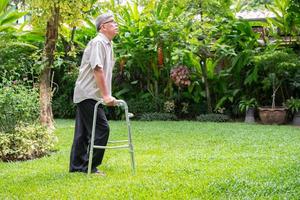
100	80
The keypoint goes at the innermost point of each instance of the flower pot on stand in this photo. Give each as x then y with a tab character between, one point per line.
294	106
269	115
248	106
249	118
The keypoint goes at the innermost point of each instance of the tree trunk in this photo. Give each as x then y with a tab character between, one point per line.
46	115
204	74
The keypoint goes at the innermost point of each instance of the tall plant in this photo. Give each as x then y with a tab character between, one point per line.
234	51
215	18
285	20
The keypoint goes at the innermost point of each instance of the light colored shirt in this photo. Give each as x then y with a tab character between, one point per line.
98	52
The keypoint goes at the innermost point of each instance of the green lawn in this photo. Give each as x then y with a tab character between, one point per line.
175	160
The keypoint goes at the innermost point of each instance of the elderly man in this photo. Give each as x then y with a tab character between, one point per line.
93	84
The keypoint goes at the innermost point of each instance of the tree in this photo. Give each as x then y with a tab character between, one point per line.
52	14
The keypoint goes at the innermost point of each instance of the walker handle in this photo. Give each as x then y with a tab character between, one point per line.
120	102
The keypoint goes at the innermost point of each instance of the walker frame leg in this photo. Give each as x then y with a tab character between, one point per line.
129	141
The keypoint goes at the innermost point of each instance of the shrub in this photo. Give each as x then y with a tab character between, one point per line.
140	106
17	104
157	116
63	106
26	142
65	78
213	118
21	138
16	62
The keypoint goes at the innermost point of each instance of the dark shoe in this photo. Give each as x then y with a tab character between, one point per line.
99	173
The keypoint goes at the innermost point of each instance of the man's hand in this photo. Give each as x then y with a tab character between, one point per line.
109	101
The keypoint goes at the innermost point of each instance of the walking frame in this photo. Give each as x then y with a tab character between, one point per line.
117	144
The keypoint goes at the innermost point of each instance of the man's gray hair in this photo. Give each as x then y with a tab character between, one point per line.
101	19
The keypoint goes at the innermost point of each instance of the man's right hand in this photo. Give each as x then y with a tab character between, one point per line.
109	101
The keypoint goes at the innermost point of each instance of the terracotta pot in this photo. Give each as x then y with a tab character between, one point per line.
269	115
296	119
249	118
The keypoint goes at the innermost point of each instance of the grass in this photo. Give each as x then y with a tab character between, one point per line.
175	160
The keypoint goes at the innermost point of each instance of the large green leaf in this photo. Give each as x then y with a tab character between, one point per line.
252	76
119	93
12	17
3	5
32	36
6	29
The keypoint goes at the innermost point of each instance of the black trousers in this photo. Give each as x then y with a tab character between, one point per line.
83	130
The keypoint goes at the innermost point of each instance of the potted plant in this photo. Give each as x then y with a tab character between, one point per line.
248	106
274	114
277	66
294	106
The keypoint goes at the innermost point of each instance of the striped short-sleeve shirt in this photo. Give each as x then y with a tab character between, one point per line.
98	52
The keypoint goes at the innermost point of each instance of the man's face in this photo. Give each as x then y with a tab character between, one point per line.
110	27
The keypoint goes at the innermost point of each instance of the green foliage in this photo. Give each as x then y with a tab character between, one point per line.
70	11
245	104
293	105
214	8
63	106
277	67
284	20
235	49
294	18
238	45
253	4
213	118
141	105
188	32
66	72
15	54
26	142
18	104
157	117
8	16
16	61
18	48
148	35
